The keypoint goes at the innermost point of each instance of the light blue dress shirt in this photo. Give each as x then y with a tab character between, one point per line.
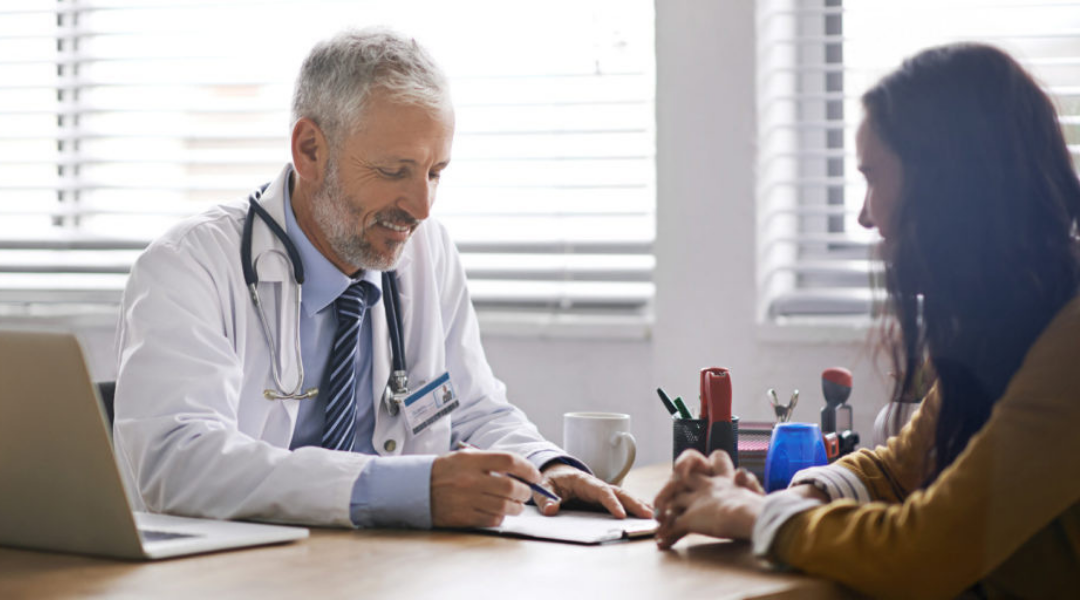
391	490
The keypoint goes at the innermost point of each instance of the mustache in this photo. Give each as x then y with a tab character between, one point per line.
397	217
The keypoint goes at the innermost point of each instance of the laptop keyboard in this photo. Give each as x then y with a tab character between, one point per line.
150	535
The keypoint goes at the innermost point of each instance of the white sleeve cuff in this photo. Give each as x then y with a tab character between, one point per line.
834	481
778	509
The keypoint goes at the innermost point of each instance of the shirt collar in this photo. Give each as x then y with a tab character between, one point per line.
323	282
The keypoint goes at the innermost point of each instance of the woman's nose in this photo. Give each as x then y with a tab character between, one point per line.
864	217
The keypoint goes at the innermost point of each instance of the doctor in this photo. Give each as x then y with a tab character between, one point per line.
294	410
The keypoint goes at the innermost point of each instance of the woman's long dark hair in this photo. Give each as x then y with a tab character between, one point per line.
985	227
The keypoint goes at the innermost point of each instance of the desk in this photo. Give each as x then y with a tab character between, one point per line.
404	565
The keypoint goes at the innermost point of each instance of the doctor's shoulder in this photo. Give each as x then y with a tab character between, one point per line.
217	225
207	238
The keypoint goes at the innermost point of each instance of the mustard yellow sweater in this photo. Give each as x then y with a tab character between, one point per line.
1005	514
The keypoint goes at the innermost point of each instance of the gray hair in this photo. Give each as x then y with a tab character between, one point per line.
339	75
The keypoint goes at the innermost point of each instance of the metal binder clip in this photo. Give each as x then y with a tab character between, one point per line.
783	411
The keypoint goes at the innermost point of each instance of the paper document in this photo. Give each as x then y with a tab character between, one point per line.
579	527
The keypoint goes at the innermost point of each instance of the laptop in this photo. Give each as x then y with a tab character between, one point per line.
60	488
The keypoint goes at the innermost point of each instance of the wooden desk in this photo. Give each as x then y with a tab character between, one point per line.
403	565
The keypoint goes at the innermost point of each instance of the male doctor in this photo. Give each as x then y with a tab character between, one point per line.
216	414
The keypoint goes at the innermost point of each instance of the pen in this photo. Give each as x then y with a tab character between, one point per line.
667	402
535	486
684	413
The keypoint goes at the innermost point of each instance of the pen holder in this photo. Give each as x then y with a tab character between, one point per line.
694	433
725	436
687	434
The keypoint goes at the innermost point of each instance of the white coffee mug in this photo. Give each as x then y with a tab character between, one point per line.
602	441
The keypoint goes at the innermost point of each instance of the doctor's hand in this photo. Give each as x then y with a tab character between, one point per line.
707	496
574	484
468	488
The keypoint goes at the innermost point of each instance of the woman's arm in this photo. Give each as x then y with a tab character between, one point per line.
887	473
1007	485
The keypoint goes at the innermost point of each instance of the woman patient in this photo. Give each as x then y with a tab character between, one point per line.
973	189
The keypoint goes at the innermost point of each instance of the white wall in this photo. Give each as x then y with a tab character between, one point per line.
706	297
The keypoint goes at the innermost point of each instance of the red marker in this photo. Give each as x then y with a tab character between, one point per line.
716	408
716	394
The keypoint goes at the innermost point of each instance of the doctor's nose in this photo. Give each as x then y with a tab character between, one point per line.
418	199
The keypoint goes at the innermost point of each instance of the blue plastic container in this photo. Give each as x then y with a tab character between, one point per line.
792	448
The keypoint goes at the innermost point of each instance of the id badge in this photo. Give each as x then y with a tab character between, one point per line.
430	403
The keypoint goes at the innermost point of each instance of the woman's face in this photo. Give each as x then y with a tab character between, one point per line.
884	174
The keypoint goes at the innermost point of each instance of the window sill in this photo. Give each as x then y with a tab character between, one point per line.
58	317
513	325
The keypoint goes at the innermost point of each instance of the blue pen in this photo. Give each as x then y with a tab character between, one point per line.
535	486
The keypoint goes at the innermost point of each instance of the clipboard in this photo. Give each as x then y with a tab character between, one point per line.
574	527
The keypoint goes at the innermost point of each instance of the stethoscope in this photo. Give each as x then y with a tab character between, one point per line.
398	386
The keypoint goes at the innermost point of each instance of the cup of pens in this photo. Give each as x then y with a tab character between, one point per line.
687	432
704	434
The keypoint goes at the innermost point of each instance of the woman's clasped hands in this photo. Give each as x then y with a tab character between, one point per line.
708	496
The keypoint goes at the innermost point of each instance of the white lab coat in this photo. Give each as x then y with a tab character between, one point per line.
194	434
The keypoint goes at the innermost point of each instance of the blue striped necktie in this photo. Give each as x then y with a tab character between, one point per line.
339	432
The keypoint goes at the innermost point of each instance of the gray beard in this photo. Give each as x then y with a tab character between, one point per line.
335	214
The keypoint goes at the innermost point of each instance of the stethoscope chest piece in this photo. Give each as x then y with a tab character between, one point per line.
397	389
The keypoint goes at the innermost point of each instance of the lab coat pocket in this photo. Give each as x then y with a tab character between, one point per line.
435	438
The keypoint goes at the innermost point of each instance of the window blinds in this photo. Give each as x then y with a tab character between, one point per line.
119	117
815	59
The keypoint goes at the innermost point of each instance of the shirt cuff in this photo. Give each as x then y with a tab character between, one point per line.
777	510
543	458
835	481
393	491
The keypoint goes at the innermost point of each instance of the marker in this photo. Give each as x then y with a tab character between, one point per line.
535	487
716	394
667	402
716	397
684	413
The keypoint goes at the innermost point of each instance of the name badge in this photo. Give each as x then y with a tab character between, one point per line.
430	403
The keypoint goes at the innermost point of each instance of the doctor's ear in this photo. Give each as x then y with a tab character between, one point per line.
310	150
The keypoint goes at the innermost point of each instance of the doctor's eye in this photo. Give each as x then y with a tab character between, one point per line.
390	174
